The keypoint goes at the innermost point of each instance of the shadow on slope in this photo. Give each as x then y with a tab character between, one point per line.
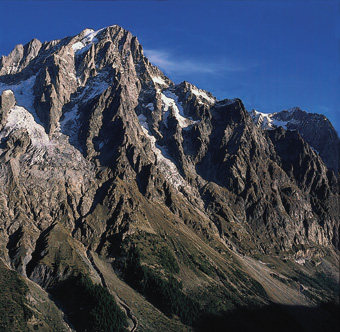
276	318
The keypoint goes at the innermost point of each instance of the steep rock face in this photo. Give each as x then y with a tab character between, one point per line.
322	196
315	129
98	92
19	58
7	101
99	147
53	87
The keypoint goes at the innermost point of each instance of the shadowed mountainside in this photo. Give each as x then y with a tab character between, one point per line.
187	200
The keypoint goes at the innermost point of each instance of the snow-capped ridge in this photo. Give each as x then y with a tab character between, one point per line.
88	37
202	94
267	120
85	43
287	119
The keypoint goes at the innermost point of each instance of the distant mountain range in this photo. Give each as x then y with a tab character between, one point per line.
129	202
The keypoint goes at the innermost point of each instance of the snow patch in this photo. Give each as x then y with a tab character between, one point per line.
69	123
267	120
92	90
84	44
159	80
277	123
19	117
271	120
23	92
202	94
78	46
170	100
163	160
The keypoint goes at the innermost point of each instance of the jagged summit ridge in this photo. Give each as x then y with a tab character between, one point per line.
99	93
315	128
101	152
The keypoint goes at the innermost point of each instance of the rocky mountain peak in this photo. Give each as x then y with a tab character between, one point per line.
315	128
19	58
102	154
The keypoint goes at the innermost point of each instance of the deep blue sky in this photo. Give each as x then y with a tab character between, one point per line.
271	54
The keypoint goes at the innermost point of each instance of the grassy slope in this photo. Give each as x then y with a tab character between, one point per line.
24	306
14	311
149	317
226	281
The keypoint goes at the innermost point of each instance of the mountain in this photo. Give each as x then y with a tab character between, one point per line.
314	128
127	199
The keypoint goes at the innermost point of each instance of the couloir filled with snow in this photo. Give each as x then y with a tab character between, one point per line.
163	159
170	102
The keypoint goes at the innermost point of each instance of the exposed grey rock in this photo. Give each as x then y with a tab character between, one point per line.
315	129
104	80
123	150
7	101
19	58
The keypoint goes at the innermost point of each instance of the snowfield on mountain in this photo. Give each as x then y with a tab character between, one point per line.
131	203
